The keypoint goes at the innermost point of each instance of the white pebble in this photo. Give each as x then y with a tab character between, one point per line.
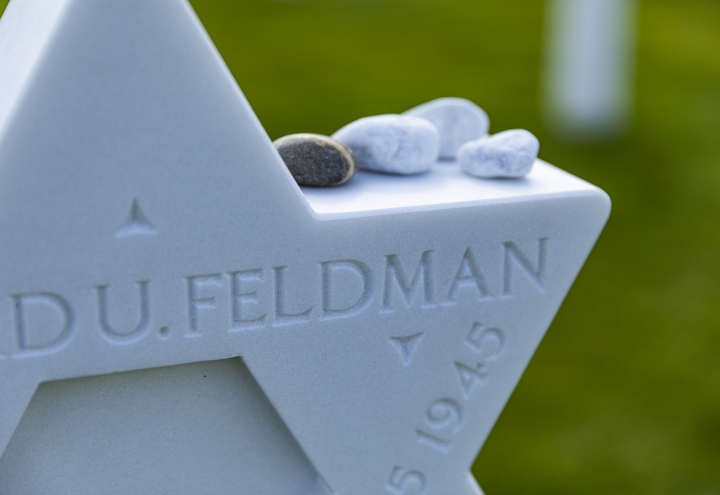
457	120
505	154
397	144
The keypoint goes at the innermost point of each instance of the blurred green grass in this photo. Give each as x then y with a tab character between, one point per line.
623	395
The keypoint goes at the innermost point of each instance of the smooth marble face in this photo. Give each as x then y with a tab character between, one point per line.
443	186
202	427
149	224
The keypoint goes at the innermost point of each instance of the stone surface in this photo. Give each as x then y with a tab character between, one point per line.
588	81
396	144
457	120
315	160
509	154
165	285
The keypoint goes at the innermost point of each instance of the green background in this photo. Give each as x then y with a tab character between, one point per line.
623	395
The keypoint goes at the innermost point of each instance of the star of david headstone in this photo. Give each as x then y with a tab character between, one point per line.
179	317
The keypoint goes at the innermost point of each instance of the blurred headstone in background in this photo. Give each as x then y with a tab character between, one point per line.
589	70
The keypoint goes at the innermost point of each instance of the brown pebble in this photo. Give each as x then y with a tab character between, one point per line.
316	160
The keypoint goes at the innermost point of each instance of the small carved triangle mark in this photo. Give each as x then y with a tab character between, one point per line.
136	223
406	346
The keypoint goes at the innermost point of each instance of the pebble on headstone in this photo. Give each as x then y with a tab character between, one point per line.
315	160
505	154
457	120
398	144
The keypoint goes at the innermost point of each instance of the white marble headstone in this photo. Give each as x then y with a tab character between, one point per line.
589	68
178	317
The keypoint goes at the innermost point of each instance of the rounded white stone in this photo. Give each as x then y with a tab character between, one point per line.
505	154
457	120
398	144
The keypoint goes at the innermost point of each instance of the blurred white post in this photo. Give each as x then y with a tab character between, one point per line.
588	80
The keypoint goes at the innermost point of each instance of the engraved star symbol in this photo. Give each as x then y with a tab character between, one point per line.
387	321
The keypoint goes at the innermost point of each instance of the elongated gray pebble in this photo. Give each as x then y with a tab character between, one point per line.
398	144
316	160
505	154
457	120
